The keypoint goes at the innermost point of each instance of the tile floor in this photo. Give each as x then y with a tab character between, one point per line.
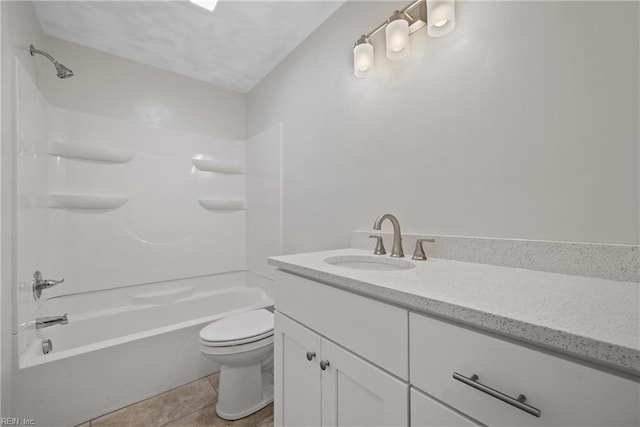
192	405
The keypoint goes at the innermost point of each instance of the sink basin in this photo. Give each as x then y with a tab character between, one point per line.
373	263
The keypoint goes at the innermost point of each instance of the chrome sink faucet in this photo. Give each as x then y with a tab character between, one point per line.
45	322
396	250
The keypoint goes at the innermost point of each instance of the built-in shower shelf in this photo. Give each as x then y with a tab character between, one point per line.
87	152
209	165
81	201
223	205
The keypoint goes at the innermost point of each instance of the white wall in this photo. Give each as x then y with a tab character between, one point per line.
264	199
111	86
19	27
521	123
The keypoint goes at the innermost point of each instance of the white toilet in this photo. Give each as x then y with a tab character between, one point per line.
243	345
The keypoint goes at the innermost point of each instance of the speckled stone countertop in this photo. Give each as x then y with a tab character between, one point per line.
591	318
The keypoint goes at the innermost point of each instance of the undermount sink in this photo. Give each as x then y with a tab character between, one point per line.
374	263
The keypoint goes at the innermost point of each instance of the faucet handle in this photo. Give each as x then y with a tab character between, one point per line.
419	254
46	284
39	284
379	250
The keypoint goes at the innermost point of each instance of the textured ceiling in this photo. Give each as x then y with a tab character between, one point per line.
234	46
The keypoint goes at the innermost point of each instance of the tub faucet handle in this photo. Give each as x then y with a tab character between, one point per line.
39	284
379	250
46	284
419	254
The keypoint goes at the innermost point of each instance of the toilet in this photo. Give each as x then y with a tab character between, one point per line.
243	345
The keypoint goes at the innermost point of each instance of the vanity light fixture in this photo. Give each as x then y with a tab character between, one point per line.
207	4
437	15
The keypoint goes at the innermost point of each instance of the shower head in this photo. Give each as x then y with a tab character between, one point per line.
62	71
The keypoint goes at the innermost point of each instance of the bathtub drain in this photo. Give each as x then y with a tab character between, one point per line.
47	346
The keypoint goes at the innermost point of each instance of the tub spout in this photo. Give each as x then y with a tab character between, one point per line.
45	322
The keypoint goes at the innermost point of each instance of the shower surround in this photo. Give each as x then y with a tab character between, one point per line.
148	227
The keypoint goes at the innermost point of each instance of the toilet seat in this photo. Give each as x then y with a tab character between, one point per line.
220	350
231	343
239	329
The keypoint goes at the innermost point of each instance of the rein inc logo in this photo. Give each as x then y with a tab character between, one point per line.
17	422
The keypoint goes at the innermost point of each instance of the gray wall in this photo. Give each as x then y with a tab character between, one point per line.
521	123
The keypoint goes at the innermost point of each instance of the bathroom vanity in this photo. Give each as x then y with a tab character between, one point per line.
443	343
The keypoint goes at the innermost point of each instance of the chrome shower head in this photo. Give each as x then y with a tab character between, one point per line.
62	71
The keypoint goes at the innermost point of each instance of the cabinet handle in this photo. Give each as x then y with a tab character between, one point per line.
324	364
311	355
517	402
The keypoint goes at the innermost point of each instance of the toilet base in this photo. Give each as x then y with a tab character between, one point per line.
244	390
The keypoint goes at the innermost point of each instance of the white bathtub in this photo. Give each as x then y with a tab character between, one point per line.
123	345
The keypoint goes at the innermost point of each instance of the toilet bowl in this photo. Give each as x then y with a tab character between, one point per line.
243	345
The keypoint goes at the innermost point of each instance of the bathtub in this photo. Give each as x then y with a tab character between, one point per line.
123	345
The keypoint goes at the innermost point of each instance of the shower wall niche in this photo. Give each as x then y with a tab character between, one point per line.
106	203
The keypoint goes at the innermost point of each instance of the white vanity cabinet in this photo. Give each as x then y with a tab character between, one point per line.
375	331
297	381
425	411
554	391
320	383
387	366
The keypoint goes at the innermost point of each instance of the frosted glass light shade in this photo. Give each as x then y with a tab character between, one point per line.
397	37
206	4
363	60
441	17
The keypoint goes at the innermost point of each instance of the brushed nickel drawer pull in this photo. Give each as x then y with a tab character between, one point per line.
517	402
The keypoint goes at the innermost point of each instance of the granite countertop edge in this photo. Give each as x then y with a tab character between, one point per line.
598	351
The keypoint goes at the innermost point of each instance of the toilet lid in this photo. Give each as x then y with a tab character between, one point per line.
256	323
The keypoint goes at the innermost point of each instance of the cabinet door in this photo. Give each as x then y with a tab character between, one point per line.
296	378
426	412
356	393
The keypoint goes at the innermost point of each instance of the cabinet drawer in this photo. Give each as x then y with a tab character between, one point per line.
426	412
565	392
378	332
